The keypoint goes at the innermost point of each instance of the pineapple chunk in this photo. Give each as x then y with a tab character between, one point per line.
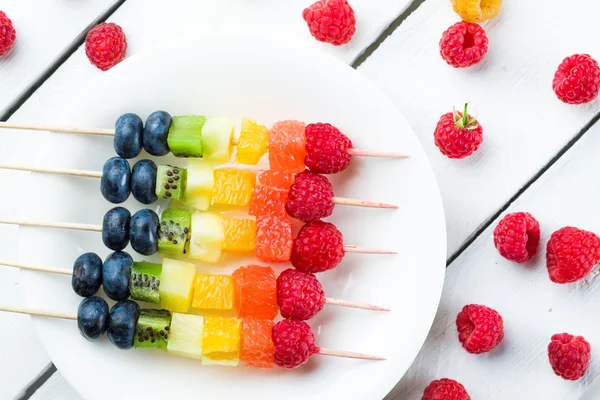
200	184
176	285
207	237
185	335
217	134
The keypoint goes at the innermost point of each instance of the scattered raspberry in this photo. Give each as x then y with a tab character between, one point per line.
105	45
310	197
517	236
8	34
571	254
569	356
294	343
463	44
577	79
477	10
331	21
480	328
458	135
326	149
445	389
318	247
300	296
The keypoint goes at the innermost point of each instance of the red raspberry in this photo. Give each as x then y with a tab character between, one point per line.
577	79
318	247
331	21
517	236
569	356
105	45
300	296
310	197
480	328
445	389
326	149
8	34
294	343
571	254
463	44
458	135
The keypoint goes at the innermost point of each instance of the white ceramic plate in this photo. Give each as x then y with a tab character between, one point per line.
268	81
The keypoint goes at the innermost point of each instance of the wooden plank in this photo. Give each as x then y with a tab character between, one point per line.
532	306
56	388
140	19
45	29
525	125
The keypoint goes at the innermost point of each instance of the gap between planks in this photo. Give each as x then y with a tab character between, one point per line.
486	224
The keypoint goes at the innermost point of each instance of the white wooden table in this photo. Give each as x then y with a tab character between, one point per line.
538	155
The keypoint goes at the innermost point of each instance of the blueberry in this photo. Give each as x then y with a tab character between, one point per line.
87	274
92	317
116	176
156	132
143	232
122	322
143	181
115	275
129	129
115	228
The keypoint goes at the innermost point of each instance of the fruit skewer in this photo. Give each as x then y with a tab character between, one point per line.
200	185
251	291
292	145
214	340
204	235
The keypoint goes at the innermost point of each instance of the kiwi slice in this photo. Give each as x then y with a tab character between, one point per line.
153	329
174	230
144	284
185	136
170	182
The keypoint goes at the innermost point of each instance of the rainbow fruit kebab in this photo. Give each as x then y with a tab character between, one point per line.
204	235
214	340
307	196
250	291
292	145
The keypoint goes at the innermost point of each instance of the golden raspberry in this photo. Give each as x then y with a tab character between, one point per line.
477	10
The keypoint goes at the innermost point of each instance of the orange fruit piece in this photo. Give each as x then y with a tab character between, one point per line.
213	292
233	187
271	193
240	234
287	146
253	142
273	238
221	341
255	292
256	348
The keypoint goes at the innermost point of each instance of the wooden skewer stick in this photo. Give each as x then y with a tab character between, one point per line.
50	224
41	313
353	304
63	129
361	203
59	171
52	314
373	153
346	354
111	132
64	271
94	174
349	248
